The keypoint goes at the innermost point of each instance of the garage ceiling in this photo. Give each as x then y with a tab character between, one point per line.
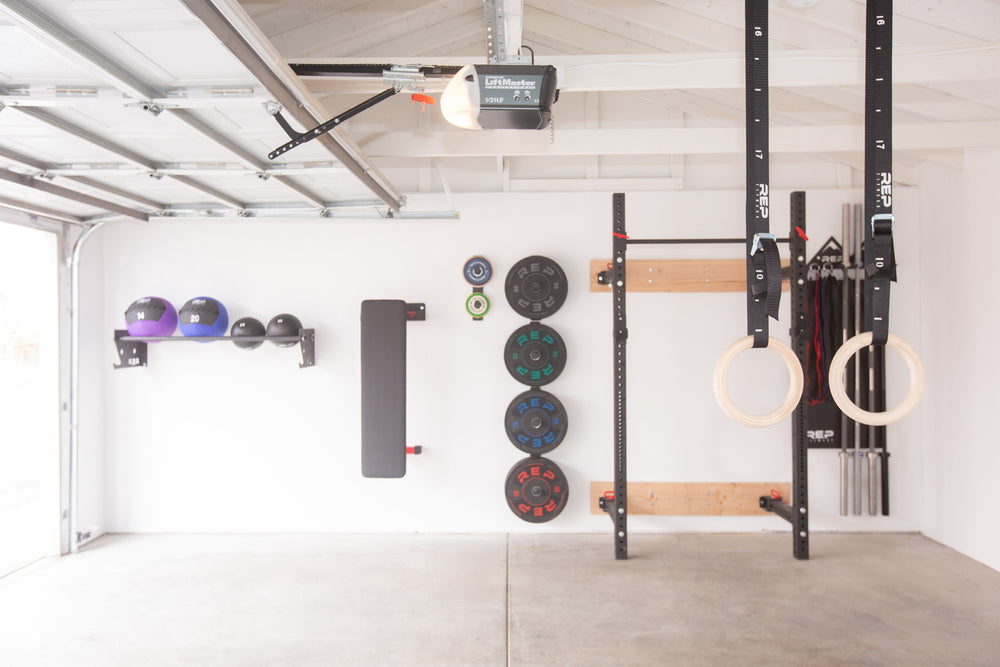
159	107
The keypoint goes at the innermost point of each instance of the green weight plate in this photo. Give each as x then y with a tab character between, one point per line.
535	354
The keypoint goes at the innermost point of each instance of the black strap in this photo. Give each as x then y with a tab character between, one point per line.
763	264
879	256
766	260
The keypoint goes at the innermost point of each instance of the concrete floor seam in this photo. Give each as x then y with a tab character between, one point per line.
507	600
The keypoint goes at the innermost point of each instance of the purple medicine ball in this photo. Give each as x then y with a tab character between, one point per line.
150	316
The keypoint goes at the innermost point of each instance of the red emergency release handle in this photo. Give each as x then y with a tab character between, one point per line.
423	99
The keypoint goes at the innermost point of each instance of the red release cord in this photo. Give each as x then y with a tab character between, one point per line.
423	99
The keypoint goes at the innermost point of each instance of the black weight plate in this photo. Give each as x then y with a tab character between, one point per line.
536	287
477	271
536	489
535	422
535	354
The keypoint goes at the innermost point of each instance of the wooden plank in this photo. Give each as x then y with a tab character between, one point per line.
693	498
679	275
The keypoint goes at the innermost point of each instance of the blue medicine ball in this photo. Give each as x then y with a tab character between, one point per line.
203	316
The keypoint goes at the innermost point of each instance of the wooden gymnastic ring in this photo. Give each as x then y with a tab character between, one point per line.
794	387
838	380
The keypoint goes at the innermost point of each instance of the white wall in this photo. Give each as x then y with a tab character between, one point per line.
958	214
211	438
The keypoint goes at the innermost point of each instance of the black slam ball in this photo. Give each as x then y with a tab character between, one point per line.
284	325
247	326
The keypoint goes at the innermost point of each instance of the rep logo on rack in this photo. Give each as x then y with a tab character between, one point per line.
821	435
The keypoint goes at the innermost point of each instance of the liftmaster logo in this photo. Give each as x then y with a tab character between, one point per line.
504	82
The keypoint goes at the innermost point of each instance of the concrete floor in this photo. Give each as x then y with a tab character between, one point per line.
681	599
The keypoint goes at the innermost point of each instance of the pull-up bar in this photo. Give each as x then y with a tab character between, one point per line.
690	241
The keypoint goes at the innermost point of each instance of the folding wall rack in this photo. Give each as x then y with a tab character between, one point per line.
793	510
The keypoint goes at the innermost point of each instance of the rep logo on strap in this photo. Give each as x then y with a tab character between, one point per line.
885	188
762	205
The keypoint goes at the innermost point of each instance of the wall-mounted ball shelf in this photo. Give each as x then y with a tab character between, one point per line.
132	350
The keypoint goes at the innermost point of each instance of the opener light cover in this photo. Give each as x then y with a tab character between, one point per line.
460	99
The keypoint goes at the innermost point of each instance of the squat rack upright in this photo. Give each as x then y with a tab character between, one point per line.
793	510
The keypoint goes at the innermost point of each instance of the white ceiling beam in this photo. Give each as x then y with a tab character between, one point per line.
690	141
591	121
595	184
834	25
692	71
279	18
513	11
503	24
362	27
830	23
565	29
661	27
954	158
979	19
787	69
675	119
464	31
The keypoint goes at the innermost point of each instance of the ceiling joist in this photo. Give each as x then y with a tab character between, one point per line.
693	71
665	141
